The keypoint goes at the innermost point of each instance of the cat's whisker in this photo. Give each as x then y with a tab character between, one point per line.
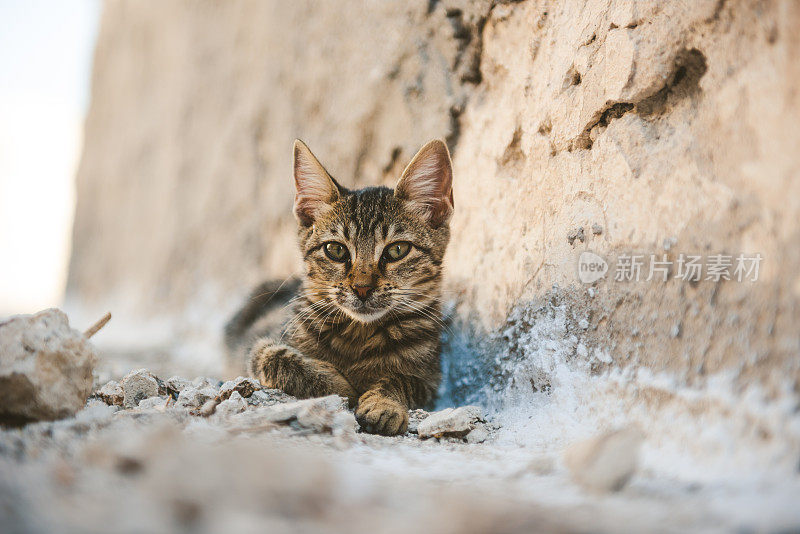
424	312
302	316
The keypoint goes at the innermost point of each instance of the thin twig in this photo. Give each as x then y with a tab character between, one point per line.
92	330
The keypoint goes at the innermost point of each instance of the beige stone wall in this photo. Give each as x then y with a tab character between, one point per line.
655	121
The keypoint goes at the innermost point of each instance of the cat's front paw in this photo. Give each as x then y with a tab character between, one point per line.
378	414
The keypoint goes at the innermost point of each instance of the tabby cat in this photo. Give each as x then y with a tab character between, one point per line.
367	316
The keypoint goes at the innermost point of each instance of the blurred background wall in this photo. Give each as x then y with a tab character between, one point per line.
655	127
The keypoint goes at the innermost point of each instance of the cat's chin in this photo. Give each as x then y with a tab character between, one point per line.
365	317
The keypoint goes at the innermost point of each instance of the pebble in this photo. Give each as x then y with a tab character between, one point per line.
154	403
193	398
479	434
138	385
450	422
242	385
112	393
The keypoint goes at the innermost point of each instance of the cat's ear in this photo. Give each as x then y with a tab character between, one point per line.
426	186
315	190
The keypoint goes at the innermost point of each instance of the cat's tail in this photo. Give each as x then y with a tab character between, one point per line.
254	319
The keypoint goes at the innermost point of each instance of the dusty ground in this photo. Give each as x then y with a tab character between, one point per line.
160	467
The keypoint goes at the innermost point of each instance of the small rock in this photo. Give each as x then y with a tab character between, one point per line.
258	398
283	413
319	417
269	397
450	422
605	462
112	393
45	368
154	403
193	398
232	405
479	434
140	384
176	384
204	382
415	417
244	386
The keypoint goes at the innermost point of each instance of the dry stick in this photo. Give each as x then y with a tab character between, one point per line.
92	330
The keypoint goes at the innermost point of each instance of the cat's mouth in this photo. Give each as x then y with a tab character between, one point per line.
366	317
364	313
364	310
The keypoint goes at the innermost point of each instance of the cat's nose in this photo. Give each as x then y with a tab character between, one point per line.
363	291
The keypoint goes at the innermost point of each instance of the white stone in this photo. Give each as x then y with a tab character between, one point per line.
450	422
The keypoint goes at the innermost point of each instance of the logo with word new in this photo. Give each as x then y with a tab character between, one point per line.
591	267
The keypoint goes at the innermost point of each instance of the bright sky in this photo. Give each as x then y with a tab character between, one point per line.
45	63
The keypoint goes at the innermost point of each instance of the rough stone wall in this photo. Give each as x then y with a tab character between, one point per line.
671	126
661	127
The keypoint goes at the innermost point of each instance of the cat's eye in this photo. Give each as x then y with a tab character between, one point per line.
336	251
396	251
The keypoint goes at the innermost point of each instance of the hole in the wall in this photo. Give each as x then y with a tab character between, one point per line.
571	78
513	153
545	127
689	67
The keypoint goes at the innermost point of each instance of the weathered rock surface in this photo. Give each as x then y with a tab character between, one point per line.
45	368
451	422
605	462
